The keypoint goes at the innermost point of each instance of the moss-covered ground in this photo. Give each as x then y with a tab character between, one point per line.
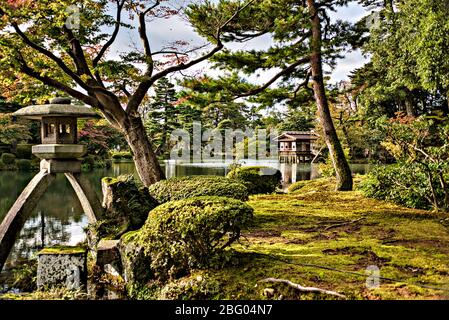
314	236
318	237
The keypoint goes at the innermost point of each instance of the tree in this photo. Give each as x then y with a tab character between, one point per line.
161	115
11	132
40	43
408	48
304	39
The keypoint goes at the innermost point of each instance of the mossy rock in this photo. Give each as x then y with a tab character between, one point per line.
61	250
126	204
257	179
182	235
196	186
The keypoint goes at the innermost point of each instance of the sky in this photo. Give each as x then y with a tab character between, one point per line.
162	32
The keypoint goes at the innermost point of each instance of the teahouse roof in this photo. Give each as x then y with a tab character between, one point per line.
55	110
297	135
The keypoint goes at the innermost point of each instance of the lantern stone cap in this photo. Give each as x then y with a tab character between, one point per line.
37	112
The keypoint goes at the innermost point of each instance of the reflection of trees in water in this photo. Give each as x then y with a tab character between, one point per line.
39	231
48	225
57	211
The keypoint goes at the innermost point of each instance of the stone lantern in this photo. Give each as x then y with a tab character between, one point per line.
59	149
59	153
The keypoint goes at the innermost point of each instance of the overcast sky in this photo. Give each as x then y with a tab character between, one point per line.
162	32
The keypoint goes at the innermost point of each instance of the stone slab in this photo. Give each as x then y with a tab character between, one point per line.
62	266
59	151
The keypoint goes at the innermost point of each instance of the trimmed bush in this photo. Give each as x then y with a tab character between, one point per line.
8	158
23	151
257	179
179	236
195	186
121	155
24	164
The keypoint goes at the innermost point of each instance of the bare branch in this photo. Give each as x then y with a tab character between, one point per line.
304	289
142	89
96	60
50	55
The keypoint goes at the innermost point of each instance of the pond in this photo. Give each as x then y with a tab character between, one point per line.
59	218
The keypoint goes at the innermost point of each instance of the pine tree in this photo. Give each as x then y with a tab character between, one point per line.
161	115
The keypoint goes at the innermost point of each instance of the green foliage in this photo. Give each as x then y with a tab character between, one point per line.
194	186
420	178
257	179
119	155
11	131
327	169
397	183
89	161
182	235
100	137
23	151
22	276
8	158
24	164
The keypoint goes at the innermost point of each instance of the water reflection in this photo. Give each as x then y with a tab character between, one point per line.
59	219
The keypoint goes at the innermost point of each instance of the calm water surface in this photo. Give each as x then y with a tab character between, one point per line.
59	218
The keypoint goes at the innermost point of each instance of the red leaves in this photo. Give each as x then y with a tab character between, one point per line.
18	3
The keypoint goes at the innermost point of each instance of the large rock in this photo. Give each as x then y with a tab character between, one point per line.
62	266
126	205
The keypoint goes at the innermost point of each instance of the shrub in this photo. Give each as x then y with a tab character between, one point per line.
24	164
257	179
182	235
23	151
122	155
402	184
194	186
127	156
8	158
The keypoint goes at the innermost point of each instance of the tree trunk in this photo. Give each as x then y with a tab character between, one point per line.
341	166
409	105
132	127
145	159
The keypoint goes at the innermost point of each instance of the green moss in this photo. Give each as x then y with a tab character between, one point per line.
63	250
197	186
322	238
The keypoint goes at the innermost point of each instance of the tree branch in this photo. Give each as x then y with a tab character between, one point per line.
304	289
50	55
143	87
96	60
58	85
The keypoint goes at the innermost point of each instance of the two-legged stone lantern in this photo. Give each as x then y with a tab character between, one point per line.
59	152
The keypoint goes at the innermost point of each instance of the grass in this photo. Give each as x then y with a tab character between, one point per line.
318	237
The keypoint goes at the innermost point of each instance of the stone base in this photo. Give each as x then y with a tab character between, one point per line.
61	166
59	151
62	266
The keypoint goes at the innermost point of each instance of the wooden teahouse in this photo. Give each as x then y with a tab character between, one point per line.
296	147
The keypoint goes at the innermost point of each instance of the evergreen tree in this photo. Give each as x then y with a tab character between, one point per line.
304	39
161	115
